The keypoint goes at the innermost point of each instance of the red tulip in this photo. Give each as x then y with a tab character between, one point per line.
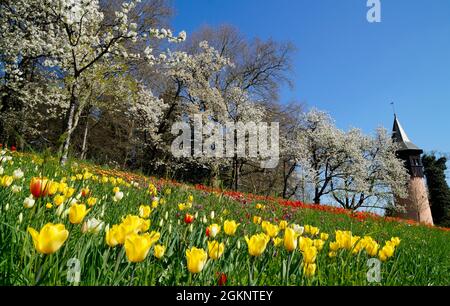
13	149
188	219
39	187
207	231
222	279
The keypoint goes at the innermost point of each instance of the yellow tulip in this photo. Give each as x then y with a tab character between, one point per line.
290	239
50	238
305	242
332	254
319	243
91	201
68	192
215	249
116	190
344	238
257	244
311	230
62	187
386	252
137	246
334	246
77	212
270	229
115	236
324	236
372	249
145	211
49	205
309	270
309	255
159	251
52	188
104	179
196	259
277	241
257	220
230	227
135	224
283	225
58	200
6	181
396	241
260	206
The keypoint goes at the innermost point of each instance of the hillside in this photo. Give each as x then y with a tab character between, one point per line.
120	228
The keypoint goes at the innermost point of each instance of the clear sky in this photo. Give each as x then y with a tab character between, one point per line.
349	67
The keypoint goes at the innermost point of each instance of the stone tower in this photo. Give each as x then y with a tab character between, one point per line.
416	207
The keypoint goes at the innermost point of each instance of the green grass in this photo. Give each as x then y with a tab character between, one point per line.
422	258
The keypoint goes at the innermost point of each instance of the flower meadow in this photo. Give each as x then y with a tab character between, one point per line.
86	225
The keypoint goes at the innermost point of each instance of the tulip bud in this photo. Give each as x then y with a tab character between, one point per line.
60	210
239	244
191	228
1	170
196	215
166	215
205	220
170	229
28	202
179	222
212	215
161	222
6	206
20	218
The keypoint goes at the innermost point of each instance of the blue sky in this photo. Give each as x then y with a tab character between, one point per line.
349	67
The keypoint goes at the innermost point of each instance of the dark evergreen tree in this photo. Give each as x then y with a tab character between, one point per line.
438	188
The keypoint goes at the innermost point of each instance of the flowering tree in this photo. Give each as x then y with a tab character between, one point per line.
355	169
69	37
377	175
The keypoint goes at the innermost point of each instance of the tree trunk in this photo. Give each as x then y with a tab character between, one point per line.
85	136
72	122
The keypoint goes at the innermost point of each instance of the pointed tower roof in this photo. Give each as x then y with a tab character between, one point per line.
400	137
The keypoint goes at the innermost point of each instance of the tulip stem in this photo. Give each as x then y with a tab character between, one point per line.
39	273
288	272
132	274
251	271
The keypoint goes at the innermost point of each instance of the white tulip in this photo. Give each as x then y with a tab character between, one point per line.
16	189
28	202
298	229
92	226
17	174
118	196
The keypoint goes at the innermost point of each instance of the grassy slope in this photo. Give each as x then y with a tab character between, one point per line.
421	259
